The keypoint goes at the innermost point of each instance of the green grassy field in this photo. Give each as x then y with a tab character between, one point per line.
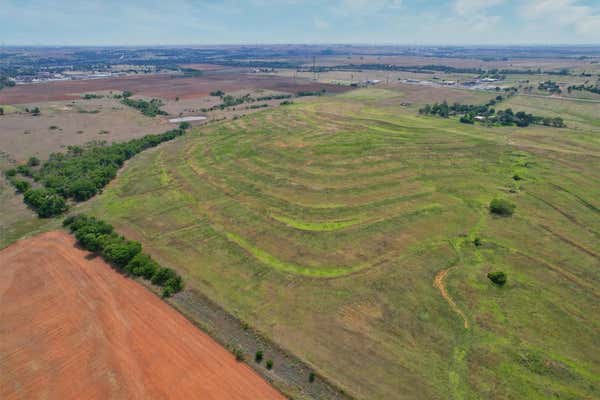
325	224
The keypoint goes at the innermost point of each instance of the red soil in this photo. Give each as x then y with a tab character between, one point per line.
73	328
162	86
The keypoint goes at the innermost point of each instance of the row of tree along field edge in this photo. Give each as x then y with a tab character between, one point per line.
125	255
488	115
79	173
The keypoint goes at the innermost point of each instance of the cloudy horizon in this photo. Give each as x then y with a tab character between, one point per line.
391	22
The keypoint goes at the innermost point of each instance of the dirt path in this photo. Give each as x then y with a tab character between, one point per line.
73	328
438	282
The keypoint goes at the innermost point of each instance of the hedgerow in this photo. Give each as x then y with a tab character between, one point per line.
125	255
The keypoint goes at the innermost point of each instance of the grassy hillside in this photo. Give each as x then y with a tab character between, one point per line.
344	228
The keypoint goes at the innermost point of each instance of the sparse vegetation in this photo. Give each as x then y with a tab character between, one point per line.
238	352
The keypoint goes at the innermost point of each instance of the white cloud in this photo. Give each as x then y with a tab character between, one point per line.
581	18
358	7
470	7
475	15
320	23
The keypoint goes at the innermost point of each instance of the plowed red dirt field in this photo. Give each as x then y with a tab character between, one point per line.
73	328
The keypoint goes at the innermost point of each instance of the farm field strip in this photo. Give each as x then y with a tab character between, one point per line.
324	225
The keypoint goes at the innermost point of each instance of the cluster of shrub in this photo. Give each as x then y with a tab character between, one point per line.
79	173
274	97
549	86
502	207
304	93
590	88
255	106
149	108
35	111
126	255
90	96
5	82
485	113
232	101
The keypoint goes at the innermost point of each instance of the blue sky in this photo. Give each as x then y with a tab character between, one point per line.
136	22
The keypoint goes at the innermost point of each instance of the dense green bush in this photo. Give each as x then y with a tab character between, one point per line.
10	172
24	170
162	276
142	265
117	250
502	207
258	357
89	231
269	364
20	185
98	236
46	202
33	162
498	277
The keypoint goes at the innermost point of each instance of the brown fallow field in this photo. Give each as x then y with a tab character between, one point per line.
73	328
161	85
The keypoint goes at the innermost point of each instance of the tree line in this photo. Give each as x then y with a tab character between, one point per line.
433	68
79	173
149	108
589	88
125	255
232	101
485	113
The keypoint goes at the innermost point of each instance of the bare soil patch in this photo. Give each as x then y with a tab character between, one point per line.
66	123
73	328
